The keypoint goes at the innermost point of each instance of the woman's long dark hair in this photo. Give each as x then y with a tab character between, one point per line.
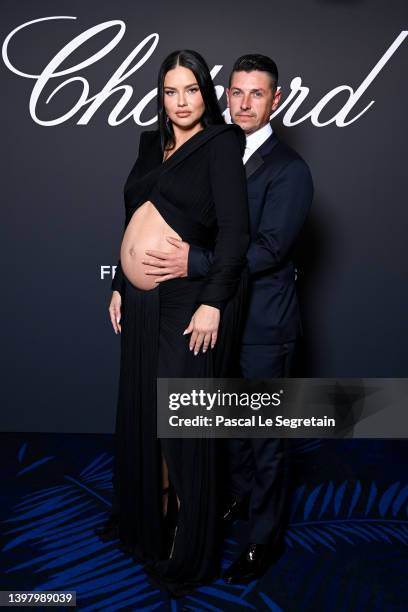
198	66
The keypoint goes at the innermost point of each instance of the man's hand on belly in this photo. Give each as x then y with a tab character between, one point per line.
166	266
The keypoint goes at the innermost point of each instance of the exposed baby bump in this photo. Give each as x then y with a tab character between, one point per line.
147	230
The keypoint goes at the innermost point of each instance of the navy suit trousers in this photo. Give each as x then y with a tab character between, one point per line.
260	466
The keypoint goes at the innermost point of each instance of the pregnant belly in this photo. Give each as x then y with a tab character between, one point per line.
146	230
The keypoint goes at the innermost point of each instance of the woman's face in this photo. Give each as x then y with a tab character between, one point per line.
183	101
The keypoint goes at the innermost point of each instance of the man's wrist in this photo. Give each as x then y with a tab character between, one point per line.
197	262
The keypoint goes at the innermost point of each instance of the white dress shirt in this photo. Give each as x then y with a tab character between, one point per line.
255	140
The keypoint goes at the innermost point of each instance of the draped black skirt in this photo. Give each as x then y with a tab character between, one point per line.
152	346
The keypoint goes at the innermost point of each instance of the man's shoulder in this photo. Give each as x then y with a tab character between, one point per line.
284	154
282	158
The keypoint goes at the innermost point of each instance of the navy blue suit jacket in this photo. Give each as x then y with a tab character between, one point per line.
280	192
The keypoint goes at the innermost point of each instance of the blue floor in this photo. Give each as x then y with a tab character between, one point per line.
346	545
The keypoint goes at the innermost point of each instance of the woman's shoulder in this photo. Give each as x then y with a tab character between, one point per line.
226	136
149	143
149	136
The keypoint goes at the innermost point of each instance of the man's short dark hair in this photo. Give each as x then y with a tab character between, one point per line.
256	61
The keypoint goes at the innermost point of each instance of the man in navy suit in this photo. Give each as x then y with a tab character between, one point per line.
280	192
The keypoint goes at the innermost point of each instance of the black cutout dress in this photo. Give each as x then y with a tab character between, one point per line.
200	191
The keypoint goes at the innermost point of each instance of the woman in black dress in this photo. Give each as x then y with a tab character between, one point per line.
188	183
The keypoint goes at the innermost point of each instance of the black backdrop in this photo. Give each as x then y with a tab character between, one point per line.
62	210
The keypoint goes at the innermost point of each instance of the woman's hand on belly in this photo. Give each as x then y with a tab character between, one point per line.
203	328
168	265
115	311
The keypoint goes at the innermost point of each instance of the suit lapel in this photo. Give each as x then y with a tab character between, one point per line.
253	163
258	158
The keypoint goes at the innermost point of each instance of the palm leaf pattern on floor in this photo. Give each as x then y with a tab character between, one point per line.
56	525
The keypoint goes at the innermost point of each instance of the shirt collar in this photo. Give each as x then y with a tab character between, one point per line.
256	139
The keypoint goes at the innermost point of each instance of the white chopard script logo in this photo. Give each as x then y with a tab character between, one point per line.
87	104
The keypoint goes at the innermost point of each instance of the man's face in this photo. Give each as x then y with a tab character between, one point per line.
251	99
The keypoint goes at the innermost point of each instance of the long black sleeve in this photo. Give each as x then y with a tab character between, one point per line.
118	280
229	192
